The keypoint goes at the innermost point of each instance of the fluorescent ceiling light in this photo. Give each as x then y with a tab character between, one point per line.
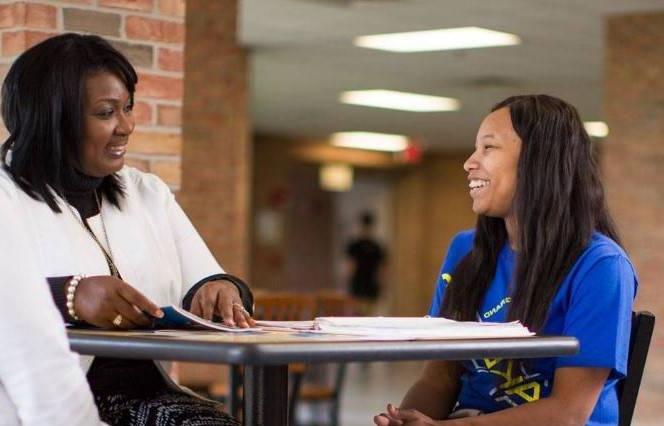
597	129
369	140
391	99
446	39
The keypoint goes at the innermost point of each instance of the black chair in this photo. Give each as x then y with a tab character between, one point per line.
643	324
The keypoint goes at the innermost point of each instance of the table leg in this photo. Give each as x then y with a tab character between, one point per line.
234	398
266	395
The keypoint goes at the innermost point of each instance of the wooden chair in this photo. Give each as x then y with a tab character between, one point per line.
284	306
327	304
643	324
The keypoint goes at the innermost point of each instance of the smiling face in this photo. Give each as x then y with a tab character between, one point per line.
492	167
108	123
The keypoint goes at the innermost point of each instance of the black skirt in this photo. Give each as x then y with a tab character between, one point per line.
134	393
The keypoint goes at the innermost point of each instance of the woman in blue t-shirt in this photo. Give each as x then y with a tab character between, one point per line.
545	252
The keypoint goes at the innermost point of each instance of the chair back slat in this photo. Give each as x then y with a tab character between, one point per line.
283	306
333	304
643	324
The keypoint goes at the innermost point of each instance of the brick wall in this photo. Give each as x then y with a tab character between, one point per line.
633	165
149	32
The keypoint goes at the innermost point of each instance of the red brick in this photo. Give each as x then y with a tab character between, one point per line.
12	15
156	86
142	112
143	5
40	16
172	7
140	28
16	42
30	15
169	115
171	60
155	143
169	171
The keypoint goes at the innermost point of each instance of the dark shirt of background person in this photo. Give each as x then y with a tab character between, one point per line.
367	257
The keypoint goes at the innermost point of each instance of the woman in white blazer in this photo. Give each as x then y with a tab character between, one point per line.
112	241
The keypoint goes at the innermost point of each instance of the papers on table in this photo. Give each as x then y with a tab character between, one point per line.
420	328
286	325
401	328
357	328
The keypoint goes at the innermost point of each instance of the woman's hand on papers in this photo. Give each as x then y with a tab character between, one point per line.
221	298
108	302
406	417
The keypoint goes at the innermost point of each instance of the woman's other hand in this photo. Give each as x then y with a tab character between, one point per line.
109	302
406	417
221	298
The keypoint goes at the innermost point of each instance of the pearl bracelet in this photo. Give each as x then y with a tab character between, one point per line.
71	292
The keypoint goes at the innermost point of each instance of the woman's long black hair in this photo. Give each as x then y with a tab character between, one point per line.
559	202
43	99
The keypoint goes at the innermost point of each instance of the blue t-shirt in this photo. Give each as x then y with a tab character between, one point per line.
593	304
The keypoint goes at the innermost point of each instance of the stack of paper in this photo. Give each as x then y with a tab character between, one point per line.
418	328
285	325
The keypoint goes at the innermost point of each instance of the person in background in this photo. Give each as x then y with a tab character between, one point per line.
112	241
545	252
366	260
41	382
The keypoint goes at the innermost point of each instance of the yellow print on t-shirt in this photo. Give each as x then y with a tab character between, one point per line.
518	386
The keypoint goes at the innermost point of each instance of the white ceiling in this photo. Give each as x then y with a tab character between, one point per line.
303	57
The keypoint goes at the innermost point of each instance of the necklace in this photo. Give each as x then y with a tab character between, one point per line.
108	254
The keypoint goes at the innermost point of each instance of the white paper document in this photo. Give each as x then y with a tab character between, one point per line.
418	328
285	325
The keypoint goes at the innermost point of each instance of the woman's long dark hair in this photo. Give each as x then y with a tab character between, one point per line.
558	203
43	99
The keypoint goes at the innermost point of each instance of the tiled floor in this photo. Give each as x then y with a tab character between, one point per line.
369	387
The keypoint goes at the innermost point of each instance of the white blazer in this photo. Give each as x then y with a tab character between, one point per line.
154	245
40	379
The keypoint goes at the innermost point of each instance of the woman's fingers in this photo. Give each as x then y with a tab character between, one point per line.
221	298
381	420
242	317
131	316
195	307
136	298
225	306
121	322
384	419
207	304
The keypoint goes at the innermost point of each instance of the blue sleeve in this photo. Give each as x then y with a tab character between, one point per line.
461	244
600	316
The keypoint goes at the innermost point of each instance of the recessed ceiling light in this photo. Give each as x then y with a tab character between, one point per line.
597	129
335	177
445	39
370	140
403	101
